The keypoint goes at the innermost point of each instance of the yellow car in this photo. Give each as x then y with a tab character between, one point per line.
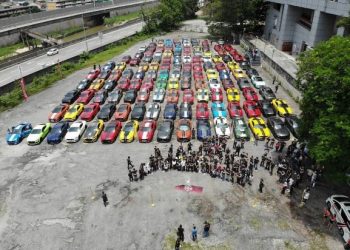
97	84
197	48
259	128
281	107
120	66
173	83
217	59
207	53
154	66
202	95
93	131
238	73
143	67
74	111
233	65
232	95
212	74
167	53
129	131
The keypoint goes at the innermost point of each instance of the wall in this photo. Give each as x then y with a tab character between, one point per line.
301	34
325	28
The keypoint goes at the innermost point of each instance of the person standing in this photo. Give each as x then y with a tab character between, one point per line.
206	229
305	196
238	150
193	134
129	163
104	199
242	143
261	185
234	144
194	233
267	142
274	80
177	244
180	233
277	86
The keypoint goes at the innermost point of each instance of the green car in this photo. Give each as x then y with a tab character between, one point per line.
38	133
161	84
164	75
240	129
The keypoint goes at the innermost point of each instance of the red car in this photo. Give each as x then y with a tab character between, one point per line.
196	59
115	75
234	109
148	83
227	83
58	112
197	68
188	96
135	84
251	109
198	76
93	74
222	53
165	65
220	66
90	111
250	94
218	47
126	59
135	61
111	131
202	111
146	131
86	96
238	58
100	97
160	49
143	95
172	96
123	84
122	112
228	47
216	95
200	84
187	51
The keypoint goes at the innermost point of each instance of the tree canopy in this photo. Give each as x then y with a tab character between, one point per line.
324	77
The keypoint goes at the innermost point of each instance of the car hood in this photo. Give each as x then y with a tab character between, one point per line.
12	137
72	135
33	137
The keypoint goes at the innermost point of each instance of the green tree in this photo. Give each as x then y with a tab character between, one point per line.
324	77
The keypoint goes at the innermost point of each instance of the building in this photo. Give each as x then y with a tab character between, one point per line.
297	25
60	4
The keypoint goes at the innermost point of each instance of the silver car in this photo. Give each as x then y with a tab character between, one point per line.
158	95
153	111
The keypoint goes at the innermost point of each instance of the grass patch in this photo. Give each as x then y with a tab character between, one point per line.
318	241
10	49
283	225
66	32
255	223
40	83
89	31
110	21
289	246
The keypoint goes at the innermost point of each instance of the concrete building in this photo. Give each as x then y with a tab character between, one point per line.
60	4
297	25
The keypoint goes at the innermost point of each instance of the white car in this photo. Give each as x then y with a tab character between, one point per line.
222	128
52	52
176	74
158	95
187	43
153	111
214	84
75	131
206	59
142	49
186	59
339	206
258	81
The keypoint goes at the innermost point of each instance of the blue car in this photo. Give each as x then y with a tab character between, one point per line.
224	74
218	110
170	111
17	133
168	42
58	132
203	130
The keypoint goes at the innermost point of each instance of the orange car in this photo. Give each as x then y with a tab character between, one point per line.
122	112
184	130
200	84
58	112
172	96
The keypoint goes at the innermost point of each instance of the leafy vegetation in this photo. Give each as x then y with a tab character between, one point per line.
66	32
122	18
10	49
324	78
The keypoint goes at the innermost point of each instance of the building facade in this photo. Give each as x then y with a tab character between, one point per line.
60	4
298	25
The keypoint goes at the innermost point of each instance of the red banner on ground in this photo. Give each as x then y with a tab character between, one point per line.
23	87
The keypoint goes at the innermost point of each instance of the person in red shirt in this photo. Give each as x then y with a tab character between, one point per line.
326	214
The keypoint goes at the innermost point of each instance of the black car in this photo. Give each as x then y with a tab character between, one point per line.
106	112
138	111
252	72
100	97
57	133
266	108
185	111
165	131
110	85
267	93
83	85
203	130
71	96
227	58
115	96
139	55
292	122
278	128
243	83
128	73
244	65
147	59
105	74
194	42
130	96
170	111
152	74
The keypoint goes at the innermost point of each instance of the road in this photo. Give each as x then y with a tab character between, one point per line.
28	67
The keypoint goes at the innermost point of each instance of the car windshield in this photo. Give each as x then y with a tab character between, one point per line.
91	129
73	109
70	94
145	129
222	125
283	105
57	109
266	105
259	126
183	127
114	95
258	79
278	126
110	128
128	128
17	130
105	109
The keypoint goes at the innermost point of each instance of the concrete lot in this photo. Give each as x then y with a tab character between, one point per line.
50	195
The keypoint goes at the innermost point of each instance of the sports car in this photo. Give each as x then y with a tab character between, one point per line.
135	61
122	112
173	83
129	131
165	65
71	96
250	94
86	96
281	107
238	73
172	96
202	95
237	57
163	74
200	84
185	111
83	84
58	112
243	83
90	111
157	57
220	66
198	76
228	47
186	83
165	131
126	59
93	131
188	96
258	82
74	111
57	133
100	97
120	66
93	74
234	109
203	130
138	112
151	74
266	108
218	110
161	84
111	131
75	131
259	128
186	59
292	123
153	111
227	58
252	72
158	95
128	73
148	83
244	65
202	111
123	84
170	111
146	131
240	129
143	95
208	65
106	112
115	96
233	95
176	74
251	109
224	74
212	74
110	65
227	83
214	84
184	130
135	84
216	95
97	84
115	75
154	66
17	133
267	93
221	127
167	53
140	74
130	96
233	66
278	128
38	134
217	59
110	85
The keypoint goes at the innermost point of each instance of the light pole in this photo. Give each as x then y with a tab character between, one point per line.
86	43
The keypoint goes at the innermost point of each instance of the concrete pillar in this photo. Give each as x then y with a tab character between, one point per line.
340	31
282	25
314	27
